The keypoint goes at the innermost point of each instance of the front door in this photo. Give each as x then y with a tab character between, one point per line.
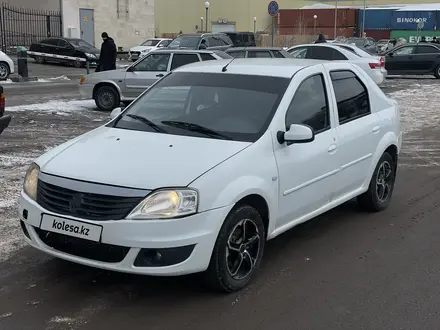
87	25
143	74
307	171
426	58
400	60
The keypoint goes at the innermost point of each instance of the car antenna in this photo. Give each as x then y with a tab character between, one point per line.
225	68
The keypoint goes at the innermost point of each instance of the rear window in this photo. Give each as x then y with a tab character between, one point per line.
222	55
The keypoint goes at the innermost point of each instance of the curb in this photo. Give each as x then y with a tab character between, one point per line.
21	79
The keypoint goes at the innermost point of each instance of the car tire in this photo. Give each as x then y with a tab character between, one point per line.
437	72
236	258
4	71
379	193
107	98
78	64
40	59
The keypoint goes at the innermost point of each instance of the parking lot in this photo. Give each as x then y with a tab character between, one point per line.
343	270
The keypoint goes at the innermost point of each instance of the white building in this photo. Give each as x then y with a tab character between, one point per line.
129	22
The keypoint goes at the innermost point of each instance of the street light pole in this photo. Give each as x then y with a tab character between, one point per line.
207	4
201	23
255	24
363	18
314	25
336	19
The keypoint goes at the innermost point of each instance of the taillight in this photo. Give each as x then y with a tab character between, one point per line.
2	103
374	65
382	61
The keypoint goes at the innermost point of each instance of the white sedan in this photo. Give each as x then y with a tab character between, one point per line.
191	178
373	66
147	46
6	66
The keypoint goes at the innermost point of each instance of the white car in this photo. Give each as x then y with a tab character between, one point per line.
147	46
6	66
374	67
211	162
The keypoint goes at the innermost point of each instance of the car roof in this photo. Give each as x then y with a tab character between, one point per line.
159	39
199	34
274	67
183	51
252	48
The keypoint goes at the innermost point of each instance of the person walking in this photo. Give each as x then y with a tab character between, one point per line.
107	58
321	39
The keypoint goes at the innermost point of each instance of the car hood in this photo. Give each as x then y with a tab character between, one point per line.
142	48
137	159
106	75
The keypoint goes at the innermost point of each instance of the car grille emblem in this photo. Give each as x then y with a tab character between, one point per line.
75	203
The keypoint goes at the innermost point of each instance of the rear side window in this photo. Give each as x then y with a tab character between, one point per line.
325	53
277	54
237	54
183	59
62	43
351	96
53	42
259	54
427	50
206	57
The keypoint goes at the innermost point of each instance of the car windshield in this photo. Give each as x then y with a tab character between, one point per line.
150	42
80	43
209	105
185	42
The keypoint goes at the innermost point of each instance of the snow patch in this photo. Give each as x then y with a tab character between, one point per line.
59	107
60	78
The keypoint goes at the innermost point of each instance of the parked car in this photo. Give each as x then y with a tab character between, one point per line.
6	66
414	59
363	53
242	39
368	44
5	120
147	46
375	68
382	45
257	52
64	50
109	88
191	178
211	41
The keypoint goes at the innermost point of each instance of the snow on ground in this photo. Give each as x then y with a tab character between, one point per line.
56	106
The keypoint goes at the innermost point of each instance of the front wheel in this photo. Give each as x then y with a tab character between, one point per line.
238	250
78	64
378	196
107	98
40	59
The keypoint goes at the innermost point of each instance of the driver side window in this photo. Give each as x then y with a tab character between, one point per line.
310	106
404	51
153	62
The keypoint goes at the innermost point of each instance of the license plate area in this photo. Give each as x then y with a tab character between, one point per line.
74	228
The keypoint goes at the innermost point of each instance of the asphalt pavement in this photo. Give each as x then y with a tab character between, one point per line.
343	270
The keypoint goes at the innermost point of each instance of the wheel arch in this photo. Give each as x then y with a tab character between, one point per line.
259	203
106	83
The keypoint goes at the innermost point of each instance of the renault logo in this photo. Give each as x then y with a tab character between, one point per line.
76	202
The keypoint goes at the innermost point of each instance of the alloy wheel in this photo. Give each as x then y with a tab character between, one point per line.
384	180
243	249
4	72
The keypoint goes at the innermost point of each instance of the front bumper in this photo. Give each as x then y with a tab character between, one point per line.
199	231
86	91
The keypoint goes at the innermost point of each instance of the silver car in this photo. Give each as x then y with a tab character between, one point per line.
110	88
258	52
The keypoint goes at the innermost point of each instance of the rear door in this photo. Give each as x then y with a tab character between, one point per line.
426	57
400	60
143	74
179	60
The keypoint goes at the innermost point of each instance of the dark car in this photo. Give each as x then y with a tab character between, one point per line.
211	41
242	39
414	59
257	52
368	44
64	50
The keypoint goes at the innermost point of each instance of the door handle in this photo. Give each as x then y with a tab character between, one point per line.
332	148
160	75
376	129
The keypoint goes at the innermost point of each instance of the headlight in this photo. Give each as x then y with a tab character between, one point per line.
166	204
31	181
90	55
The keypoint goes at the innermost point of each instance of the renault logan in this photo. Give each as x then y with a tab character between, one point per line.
211	162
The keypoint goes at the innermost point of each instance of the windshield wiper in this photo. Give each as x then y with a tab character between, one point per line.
196	128
148	122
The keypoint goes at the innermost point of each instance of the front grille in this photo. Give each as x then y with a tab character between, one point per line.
83	248
135	53
84	205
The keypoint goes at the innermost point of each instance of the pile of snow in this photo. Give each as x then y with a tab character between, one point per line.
56	106
60	78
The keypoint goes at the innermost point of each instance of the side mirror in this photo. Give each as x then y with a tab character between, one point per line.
115	112
296	134
160	46
203	46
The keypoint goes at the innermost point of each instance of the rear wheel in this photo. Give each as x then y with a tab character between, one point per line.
107	98
40	59
78	64
238	250
378	196
4	71
437	72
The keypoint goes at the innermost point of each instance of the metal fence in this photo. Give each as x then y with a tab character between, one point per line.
23	26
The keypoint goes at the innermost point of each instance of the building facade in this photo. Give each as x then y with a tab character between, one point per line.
34	4
188	16
129	22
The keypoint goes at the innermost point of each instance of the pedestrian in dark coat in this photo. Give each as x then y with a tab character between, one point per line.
321	39
107	58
